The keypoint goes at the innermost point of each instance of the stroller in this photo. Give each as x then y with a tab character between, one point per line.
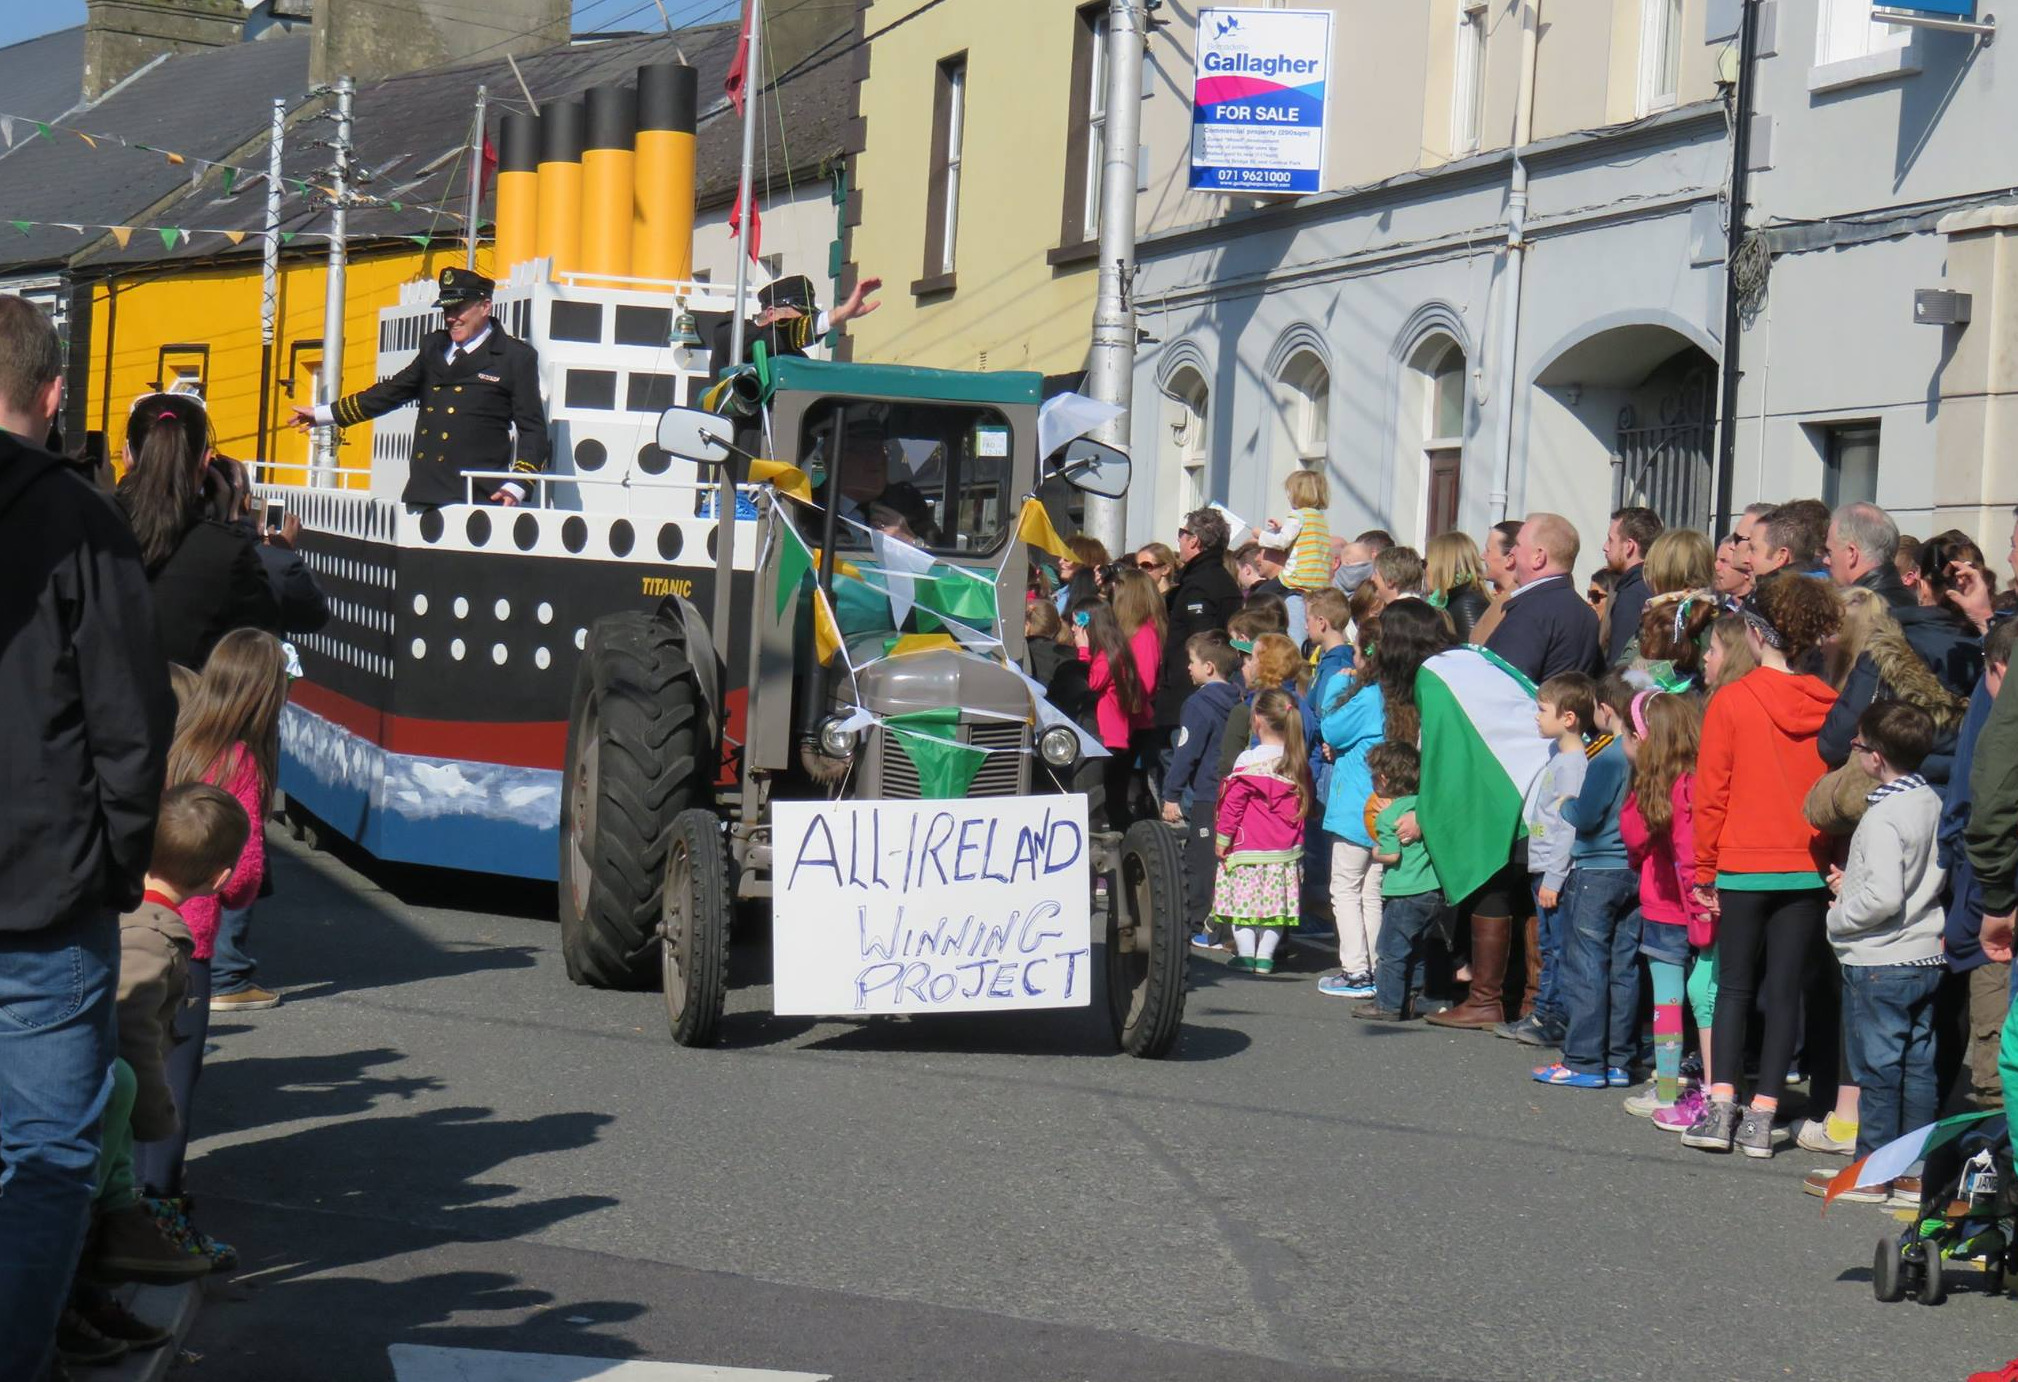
1968	1218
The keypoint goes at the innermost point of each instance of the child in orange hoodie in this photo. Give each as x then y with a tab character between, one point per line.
1758	861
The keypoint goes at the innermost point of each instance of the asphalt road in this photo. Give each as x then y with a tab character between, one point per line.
437	1140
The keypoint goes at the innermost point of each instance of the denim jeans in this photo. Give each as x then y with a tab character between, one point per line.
58	991
1549	933
1601	975
1888	1034
231	966
1405	923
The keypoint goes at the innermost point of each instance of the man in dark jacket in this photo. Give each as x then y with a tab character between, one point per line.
85	719
1992	834
1863	543
1203	599
1632	531
1548	626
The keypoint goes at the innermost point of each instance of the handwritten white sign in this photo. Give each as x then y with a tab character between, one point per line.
930	906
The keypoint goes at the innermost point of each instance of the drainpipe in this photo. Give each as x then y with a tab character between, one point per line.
1516	257
1741	156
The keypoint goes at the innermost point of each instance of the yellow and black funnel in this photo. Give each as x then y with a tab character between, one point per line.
663	232
607	180
518	193
559	233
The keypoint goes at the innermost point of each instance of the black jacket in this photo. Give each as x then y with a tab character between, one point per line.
1548	628
85	712
1629	601
1883	581
1203	599
1466	606
1946	642
467	413
213	582
303	606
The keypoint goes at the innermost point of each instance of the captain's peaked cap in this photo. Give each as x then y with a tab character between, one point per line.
795	292
459	286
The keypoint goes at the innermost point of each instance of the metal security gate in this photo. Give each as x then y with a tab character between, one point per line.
1667	465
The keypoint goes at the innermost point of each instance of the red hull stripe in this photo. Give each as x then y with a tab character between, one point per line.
534	744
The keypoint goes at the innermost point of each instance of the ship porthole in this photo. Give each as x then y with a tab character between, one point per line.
545	613
671	540
456	650
590	454
420	604
574	534
581	639
499	653
461	608
654	459
478	528
502	609
621	538
526	531
542	659
713	532
419	649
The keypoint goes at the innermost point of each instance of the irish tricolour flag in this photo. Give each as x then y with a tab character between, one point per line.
1901	1154
1480	753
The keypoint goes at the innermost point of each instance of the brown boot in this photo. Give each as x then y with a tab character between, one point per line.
1483	1008
132	1247
1531	943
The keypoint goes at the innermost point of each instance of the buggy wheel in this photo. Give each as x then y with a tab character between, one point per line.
694	928
637	755
1933	1285
1888	1271
1147	949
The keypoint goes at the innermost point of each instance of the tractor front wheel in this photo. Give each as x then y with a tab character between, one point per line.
1147	949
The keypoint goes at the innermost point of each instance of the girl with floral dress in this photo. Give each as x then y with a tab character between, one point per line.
1262	807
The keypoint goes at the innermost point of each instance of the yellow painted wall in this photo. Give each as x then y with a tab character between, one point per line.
135	315
1011	310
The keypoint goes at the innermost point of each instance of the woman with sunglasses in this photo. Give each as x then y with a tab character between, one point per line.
1161	565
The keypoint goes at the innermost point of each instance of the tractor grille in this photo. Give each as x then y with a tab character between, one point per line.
1002	773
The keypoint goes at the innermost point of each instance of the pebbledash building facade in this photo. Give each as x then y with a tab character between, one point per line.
1376	331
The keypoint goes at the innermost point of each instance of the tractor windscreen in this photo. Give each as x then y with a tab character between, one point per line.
935	475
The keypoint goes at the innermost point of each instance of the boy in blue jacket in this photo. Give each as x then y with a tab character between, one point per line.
1191	787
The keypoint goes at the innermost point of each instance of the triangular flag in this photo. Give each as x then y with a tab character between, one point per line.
71	225
287	237
946	767
21	226
922	643
7	129
168	237
86	138
298	184
420	240
43	130
173	157
826	629
121	234
795	559
236	237
738	73
396	206
230	181
788	480
902	565
1034	527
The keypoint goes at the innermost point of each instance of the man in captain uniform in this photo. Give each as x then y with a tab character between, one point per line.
479	395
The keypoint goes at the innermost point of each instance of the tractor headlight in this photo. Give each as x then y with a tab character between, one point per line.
837	740
1058	746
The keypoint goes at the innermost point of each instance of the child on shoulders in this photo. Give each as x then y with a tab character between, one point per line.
1305	536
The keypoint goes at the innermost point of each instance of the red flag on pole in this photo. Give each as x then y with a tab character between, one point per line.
756	240
489	161
739	64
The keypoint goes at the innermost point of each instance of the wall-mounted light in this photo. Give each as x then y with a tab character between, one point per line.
1941	307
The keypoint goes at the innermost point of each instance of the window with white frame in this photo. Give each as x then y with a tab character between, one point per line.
1443	431
1191	405
1096	120
1660	54
955	89
1468	78
1845	31
1307	386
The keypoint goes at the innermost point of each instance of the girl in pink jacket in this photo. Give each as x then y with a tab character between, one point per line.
1262	806
1121	671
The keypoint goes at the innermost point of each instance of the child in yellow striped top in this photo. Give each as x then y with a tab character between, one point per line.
1306	537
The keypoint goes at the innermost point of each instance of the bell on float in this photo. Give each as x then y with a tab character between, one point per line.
686	331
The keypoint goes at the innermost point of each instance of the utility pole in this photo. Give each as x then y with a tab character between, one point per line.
1110	363
1506	382
1734	239
725	493
475	179
269	296
332	303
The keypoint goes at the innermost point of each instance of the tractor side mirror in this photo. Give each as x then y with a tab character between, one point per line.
1094	468
694	435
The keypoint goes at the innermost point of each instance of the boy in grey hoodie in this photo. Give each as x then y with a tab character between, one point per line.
1886	923
1565	709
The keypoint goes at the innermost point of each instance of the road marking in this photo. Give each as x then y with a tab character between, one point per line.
426	1363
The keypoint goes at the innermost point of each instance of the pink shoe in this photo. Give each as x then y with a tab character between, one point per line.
1683	1114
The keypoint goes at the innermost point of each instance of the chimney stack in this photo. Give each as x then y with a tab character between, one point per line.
123	36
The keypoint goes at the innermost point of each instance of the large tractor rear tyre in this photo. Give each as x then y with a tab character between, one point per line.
639	753
694	930
1147	949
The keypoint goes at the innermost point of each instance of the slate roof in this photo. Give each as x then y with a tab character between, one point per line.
204	103
410	130
42	78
